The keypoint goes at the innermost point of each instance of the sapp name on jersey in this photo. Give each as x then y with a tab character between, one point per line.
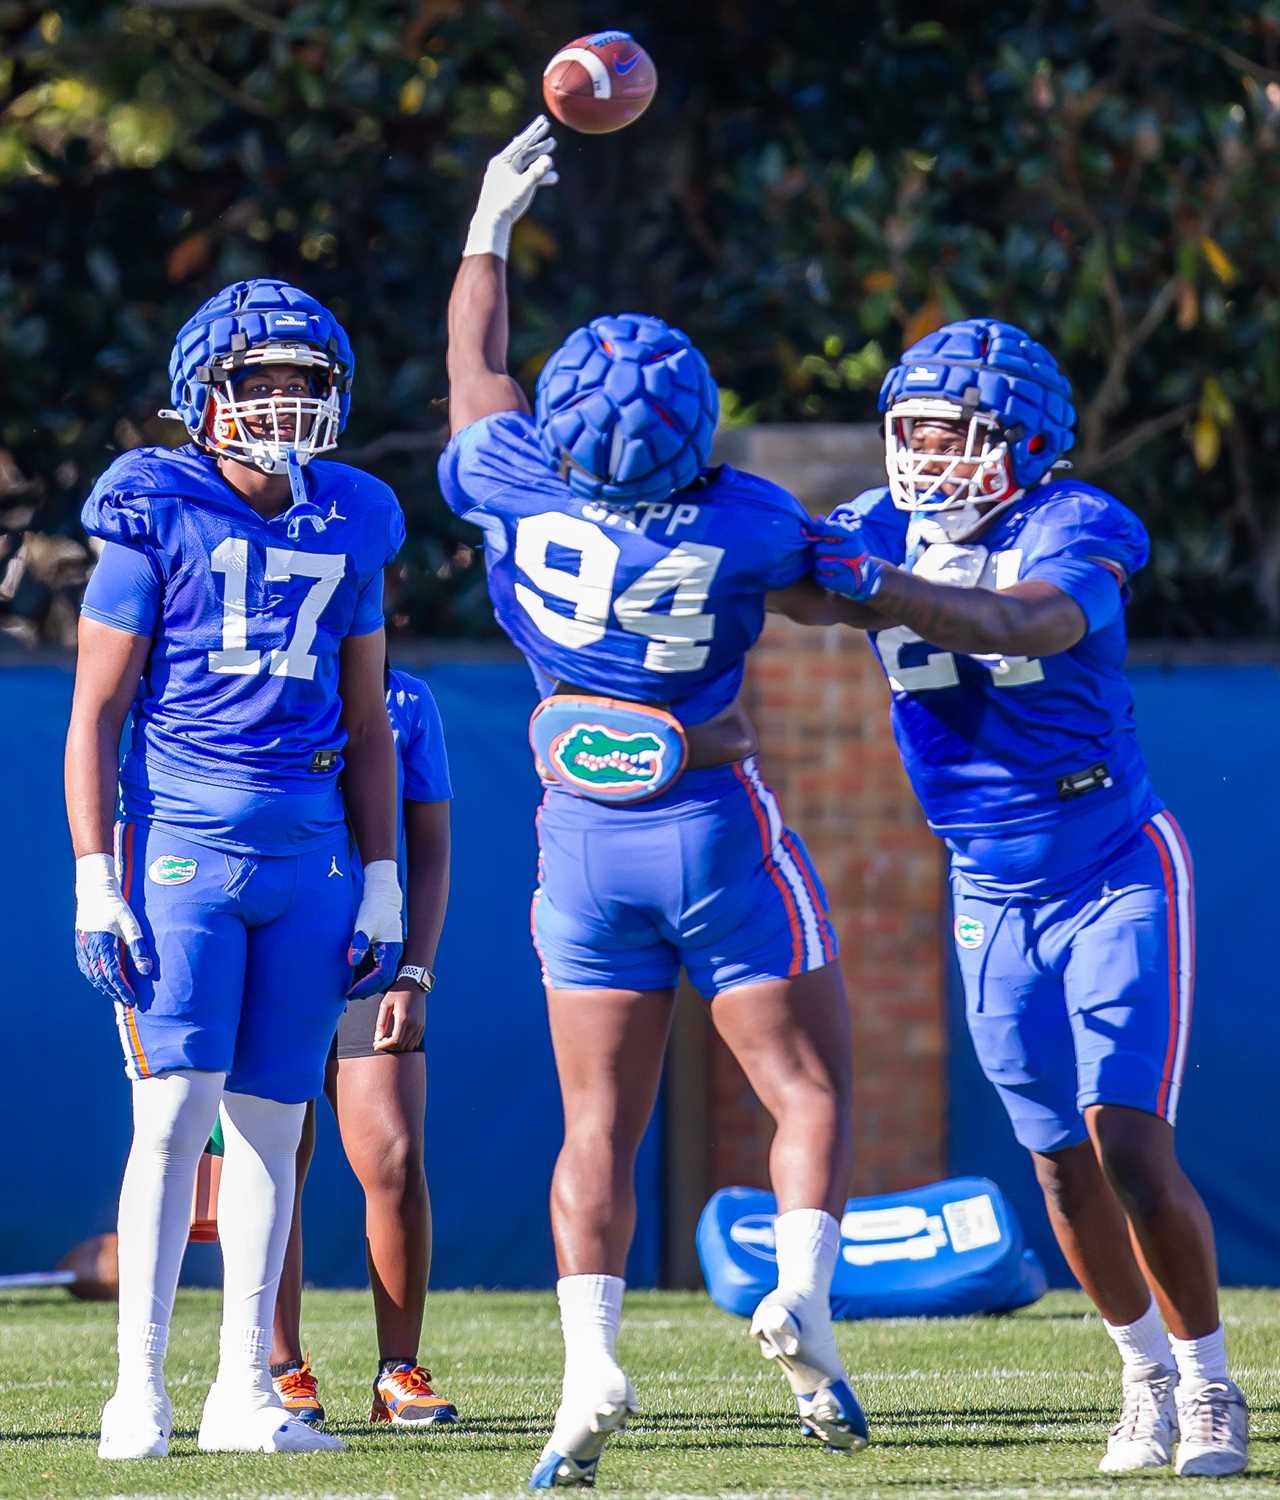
241	685
1030	768
656	604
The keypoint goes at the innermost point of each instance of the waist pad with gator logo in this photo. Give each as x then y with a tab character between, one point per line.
607	749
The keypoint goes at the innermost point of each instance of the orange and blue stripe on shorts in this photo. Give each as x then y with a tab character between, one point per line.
135	1057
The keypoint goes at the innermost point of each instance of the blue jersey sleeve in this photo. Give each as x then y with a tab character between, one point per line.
125	589
368	615
1089	545
790	548
497	453
882	526
426	762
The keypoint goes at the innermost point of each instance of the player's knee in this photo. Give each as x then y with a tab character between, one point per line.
1138	1179
1068	1179
395	1167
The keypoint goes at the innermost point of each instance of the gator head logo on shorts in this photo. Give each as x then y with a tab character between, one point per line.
172	869
603	760
970	933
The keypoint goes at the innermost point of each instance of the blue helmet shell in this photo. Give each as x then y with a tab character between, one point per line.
626	409
984	365
241	316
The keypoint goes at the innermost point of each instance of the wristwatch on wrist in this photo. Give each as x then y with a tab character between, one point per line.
423	978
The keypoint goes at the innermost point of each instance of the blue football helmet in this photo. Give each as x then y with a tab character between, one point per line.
1006	389
252	323
626	409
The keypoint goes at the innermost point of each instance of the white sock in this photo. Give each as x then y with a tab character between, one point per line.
1201	1359
172	1117
590	1312
255	1210
807	1241
1143	1346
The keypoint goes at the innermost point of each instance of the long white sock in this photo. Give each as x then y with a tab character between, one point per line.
1201	1359
172	1117
590	1313
806	1241
1143	1345
255	1209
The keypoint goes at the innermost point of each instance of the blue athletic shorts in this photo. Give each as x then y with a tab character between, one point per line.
250	961
1084	998
706	875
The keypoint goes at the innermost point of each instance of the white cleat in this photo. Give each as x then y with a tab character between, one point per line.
136	1425
825	1401
1144	1436
245	1420
580	1433
1213	1417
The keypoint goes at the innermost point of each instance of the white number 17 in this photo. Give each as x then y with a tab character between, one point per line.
231	558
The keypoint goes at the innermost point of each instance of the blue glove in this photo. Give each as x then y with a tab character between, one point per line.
379	933
842	564
105	926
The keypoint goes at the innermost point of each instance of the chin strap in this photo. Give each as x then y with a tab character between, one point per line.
297	486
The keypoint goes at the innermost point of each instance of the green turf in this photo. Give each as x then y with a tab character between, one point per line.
1004	1407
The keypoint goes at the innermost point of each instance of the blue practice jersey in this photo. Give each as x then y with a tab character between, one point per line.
421	760
236	730
1029	767
657	604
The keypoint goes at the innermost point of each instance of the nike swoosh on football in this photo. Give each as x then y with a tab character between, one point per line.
626	66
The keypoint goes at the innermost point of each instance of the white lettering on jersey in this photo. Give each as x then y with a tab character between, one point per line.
231	558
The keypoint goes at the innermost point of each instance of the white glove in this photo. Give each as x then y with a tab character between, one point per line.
103	923
379	929
510	181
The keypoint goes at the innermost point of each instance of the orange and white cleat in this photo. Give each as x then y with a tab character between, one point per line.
402	1395
298	1391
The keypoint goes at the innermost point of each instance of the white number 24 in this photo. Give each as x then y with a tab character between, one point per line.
678	635
231	558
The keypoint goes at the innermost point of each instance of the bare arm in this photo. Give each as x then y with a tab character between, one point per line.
477	360
809	604
108	667
1033	618
369	774
426	829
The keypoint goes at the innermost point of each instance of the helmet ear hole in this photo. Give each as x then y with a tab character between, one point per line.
1036	443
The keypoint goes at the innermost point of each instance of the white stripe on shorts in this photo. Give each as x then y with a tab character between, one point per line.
1185	920
810	921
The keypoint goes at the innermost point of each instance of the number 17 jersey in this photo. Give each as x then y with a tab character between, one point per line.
655	604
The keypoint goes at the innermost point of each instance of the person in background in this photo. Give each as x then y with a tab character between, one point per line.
376	1082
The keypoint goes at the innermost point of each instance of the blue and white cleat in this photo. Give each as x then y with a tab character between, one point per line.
827	1407
579	1437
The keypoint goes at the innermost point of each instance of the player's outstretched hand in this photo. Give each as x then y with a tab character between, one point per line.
511	179
379	934
104	927
842	564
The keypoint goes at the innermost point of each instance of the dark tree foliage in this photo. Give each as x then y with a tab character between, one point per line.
814	186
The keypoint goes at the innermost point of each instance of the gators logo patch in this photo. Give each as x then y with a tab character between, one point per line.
172	869
604	761
970	933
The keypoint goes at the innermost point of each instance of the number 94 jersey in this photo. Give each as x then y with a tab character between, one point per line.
1029	767
656	604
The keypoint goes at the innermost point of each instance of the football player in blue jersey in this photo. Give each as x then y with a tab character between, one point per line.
376	1081
993	589
634	579
236	611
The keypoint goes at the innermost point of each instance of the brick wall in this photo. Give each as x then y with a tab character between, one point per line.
820	704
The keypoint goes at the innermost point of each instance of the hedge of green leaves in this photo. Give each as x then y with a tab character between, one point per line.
814	185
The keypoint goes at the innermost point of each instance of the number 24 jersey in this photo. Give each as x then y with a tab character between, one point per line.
656	604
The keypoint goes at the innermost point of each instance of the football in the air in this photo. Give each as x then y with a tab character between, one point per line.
599	82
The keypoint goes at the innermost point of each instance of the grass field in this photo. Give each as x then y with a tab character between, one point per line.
1004	1407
